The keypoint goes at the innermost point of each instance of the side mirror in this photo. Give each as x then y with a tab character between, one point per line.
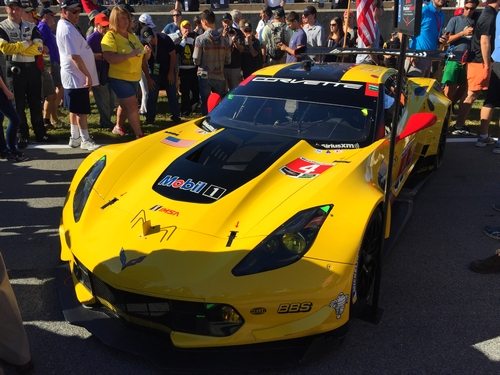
213	100
416	123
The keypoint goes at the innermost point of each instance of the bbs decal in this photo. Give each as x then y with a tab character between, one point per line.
296	307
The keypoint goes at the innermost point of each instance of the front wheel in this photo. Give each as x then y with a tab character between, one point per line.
366	266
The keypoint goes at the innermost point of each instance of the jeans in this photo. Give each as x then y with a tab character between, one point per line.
206	87
173	105
105	101
8	110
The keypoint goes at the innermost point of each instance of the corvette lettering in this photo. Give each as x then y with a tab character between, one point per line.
303	168
308	82
175	182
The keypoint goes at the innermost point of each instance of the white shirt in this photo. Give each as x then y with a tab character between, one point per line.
71	42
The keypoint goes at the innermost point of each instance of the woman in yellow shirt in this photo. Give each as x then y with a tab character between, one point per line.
126	57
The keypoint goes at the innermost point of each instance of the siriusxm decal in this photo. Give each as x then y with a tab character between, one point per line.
199	187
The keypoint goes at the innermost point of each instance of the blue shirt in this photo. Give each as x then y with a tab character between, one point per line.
299	38
431	26
49	39
496	53
171	28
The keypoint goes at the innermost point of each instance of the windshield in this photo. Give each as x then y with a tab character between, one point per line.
323	112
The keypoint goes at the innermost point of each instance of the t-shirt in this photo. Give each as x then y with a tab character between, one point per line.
299	38
314	35
161	55
485	26
496	52
49	40
456	25
102	66
171	28
430	29
71	42
130	69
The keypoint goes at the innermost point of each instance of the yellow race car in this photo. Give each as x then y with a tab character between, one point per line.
259	222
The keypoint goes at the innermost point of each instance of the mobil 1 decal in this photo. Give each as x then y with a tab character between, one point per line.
197	187
304	168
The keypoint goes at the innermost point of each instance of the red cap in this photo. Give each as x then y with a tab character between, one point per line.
101	19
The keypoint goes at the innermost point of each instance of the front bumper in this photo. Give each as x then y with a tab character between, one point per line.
158	348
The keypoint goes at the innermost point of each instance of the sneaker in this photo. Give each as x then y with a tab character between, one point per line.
44	139
22	142
488	265
118	130
493	232
75	142
484	141
463	131
496	149
16	156
175	119
89	145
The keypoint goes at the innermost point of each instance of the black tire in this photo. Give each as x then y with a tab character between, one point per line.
437	159
366	266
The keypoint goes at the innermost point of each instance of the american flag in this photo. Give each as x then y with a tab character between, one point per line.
366	22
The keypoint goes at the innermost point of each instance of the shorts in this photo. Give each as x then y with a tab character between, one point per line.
48	87
493	95
55	72
123	89
454	73
77	101
477	78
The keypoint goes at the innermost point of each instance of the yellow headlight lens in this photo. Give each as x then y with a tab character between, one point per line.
294	242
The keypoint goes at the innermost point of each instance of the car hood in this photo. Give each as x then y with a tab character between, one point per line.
213	193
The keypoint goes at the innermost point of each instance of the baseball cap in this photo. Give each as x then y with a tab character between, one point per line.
146	19
279	13
70	4
101	19
146	34
13	2
227	17
309	10
247	26
44	11
185	23
28	5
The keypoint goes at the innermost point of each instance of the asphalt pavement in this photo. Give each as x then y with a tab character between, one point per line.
439	318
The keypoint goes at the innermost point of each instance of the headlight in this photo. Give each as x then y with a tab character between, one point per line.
285	245
85	186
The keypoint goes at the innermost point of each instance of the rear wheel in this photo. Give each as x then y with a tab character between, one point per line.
366	266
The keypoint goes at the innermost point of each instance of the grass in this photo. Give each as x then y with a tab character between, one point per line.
61	133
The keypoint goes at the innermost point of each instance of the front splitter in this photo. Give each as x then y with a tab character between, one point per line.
157	348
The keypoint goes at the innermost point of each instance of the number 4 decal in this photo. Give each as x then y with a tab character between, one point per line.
303	168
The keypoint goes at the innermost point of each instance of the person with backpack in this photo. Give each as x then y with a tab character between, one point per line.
274	33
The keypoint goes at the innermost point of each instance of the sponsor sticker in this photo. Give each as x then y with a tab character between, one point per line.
167	211
338	304
177	142
371	89
303	168
297	307
199	187
258	311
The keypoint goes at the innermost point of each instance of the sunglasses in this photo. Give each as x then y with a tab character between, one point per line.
466	8
75	11
333	24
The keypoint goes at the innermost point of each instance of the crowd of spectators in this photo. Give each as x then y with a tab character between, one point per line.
135	59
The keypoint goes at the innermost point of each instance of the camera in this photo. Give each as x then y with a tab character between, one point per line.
13	70
231	32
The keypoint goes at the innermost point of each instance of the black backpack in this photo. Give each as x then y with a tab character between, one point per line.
277	36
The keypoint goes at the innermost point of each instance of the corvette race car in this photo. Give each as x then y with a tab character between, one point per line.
259	222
